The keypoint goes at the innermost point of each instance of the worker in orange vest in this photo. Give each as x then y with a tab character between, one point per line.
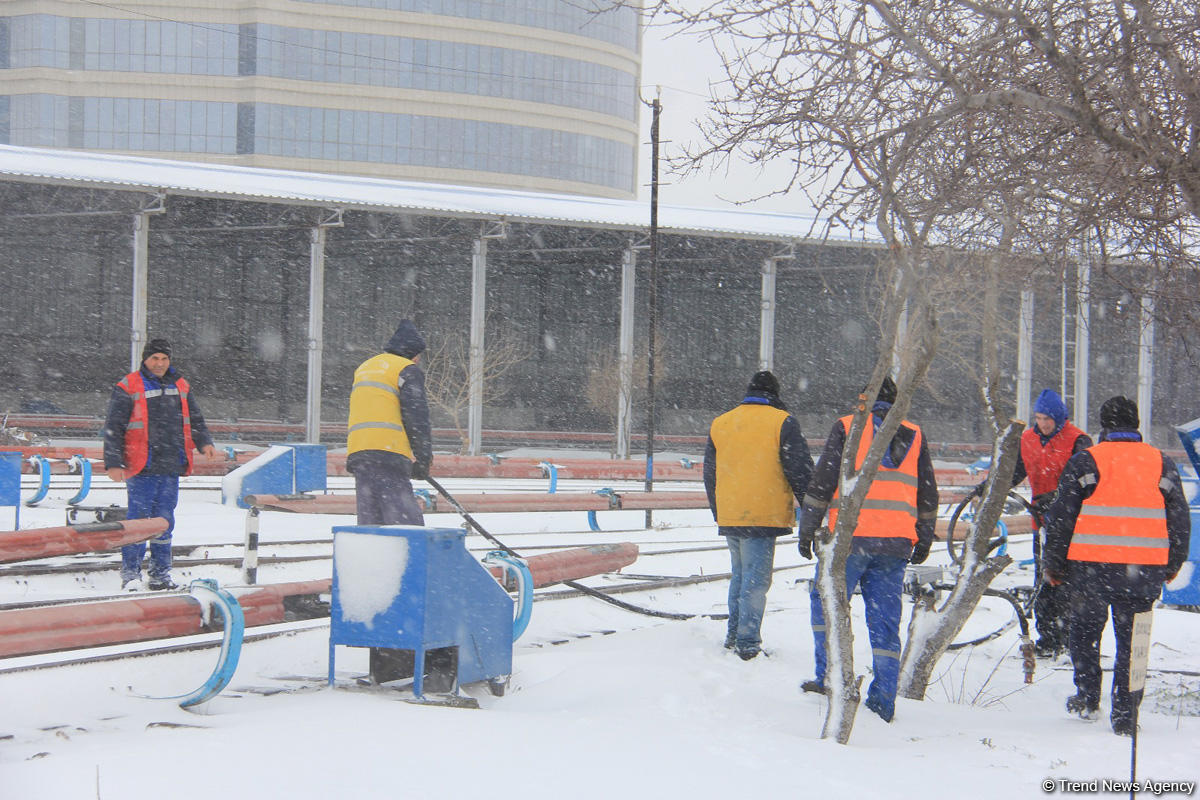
895	528
152	427
1118	529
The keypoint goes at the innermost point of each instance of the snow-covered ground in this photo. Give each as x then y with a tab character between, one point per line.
643	707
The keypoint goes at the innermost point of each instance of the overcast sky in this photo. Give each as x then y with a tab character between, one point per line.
684	66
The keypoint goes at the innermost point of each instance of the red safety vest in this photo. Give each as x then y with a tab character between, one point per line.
137	435
1044	463
1125	519
890	508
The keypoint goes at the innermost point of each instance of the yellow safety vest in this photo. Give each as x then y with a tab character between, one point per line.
375	422
751	487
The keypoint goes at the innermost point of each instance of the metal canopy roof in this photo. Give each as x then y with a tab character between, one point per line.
138	173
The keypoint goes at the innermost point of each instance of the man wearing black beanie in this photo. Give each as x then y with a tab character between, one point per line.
1118	529
756	468
152	427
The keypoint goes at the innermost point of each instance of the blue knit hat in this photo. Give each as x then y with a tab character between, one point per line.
1050	403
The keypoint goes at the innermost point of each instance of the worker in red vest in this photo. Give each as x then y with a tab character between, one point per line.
895	528
1045	449
152	427
1118	529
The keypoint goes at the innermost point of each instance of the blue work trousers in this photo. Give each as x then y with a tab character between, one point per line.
151	496
882	581
751	559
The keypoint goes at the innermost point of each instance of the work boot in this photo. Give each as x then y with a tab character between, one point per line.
747	655
164	584
133	585
1123	726
881	708
1080	706
814	686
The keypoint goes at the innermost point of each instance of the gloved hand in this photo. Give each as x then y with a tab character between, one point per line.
805	545
1041	502
979	487
920	553
420	471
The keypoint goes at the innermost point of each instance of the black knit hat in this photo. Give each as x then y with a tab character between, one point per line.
156	346
763	382
1119	412
887	390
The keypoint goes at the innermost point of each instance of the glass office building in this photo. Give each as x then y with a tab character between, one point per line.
529	94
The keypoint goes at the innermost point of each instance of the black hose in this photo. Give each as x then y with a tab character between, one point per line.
579	587
1022	618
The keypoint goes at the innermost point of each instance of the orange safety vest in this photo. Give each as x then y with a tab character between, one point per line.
137	435
1125	519
890	508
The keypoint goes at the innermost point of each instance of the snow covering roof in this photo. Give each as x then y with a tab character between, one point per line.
138	173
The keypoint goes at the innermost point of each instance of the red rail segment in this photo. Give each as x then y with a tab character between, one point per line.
68	540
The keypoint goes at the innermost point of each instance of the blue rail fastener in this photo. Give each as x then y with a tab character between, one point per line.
84	468
44	487
551	471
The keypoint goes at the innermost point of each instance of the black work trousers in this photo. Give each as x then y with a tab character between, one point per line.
1090	604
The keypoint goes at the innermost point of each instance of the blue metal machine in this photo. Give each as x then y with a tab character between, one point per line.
426	608
1185	589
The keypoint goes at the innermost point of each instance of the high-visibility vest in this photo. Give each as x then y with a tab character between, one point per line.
751	488
1044	463
1125	519
890	508
137	433
375	421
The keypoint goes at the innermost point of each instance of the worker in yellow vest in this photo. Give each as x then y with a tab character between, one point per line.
390	442
756	468
1118	529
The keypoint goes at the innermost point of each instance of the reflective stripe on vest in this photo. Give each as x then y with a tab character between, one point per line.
751	488
1125	519
137	437
890	508
375	421
1044	463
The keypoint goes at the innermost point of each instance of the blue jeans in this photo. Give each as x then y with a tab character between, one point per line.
882	579
752	559
151	496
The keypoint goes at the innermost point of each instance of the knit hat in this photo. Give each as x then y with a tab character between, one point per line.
156	346
406	342
887	391
764	382
1119	412
1050	403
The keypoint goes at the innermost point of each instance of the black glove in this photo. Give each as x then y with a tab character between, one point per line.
1041	502
979	487
805	544
920	553
420	471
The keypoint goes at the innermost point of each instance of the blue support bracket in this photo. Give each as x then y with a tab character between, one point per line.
687	463
519	569
614	502
44	487
84	468
10	484
550	471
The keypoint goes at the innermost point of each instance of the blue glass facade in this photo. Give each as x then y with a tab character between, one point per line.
314	130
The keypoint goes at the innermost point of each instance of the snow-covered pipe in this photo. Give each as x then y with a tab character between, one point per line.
68	540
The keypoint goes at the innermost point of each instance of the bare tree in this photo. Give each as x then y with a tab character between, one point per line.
602	389
447	374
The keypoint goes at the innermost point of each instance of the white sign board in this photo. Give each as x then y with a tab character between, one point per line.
1139	650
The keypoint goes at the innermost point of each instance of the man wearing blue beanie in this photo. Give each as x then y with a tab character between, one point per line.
1045	450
